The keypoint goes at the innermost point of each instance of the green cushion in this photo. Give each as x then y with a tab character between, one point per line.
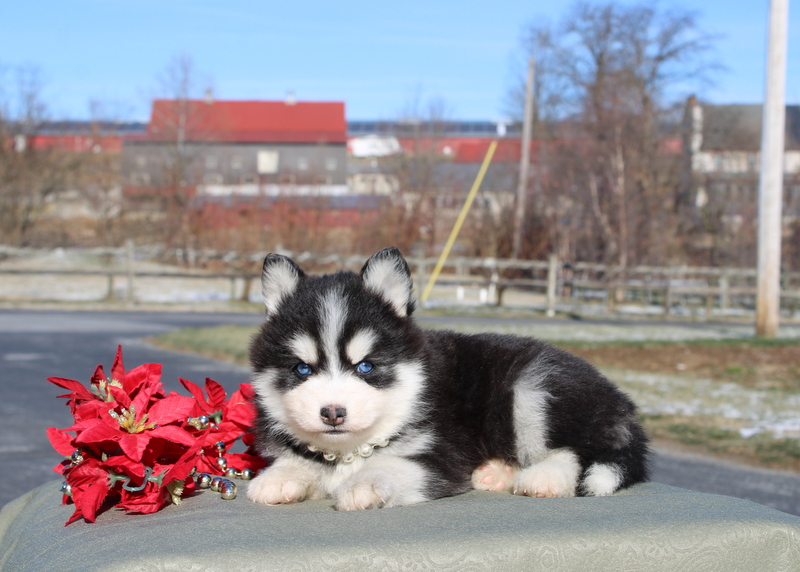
647	527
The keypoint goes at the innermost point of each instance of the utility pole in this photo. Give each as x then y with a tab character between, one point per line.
770	185
524	162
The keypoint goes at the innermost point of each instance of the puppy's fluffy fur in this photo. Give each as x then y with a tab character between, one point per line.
357	403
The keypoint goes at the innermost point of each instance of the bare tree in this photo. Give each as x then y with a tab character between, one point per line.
608	75
420	175
181	123
549	102
30	174
99	176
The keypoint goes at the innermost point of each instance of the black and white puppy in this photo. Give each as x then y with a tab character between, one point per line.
357	403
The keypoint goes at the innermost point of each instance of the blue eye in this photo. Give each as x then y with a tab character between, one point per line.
303	369
364	367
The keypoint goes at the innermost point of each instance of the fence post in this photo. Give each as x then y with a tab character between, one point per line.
110	288
491	297
232	296
246	288
785	284
130	254
611	290
420	275
552	281
724	292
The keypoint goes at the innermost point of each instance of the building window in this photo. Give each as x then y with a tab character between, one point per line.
141	160
330	163
248	179
213	178
302	164
236	162
267	162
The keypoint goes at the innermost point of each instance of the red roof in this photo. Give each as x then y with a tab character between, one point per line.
249	121
470	149
77	143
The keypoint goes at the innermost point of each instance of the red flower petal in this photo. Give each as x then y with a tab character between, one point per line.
134	445
173	434
145	375
78	389
170	409
89	482
98	433
84	424
118	369
181	469
146	501
61	441
146	392
216	394
248	392
120	395
205	464
240	410
98	375
92	410
197	393
89	499
61	467
122	464
75	515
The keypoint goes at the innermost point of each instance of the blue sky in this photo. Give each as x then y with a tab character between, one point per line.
378	57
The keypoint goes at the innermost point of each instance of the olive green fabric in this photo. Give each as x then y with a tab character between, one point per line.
648	527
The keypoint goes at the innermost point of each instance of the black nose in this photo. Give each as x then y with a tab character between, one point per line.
333	415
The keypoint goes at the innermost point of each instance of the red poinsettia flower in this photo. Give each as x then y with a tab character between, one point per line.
133	443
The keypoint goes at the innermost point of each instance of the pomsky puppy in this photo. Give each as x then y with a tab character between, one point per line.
357	403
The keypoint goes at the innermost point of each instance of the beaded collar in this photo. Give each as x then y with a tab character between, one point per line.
364	451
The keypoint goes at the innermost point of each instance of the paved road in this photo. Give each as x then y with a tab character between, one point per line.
38	344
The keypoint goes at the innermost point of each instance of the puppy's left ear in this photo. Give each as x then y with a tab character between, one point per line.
280	277
386	274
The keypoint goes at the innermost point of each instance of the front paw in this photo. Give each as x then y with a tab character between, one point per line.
362	495
279	485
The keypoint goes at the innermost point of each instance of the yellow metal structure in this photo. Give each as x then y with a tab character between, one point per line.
460	221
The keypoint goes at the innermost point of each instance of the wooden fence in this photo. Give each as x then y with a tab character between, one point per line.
549	282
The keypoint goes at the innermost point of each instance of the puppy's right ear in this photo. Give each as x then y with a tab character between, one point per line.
386	274
279	279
